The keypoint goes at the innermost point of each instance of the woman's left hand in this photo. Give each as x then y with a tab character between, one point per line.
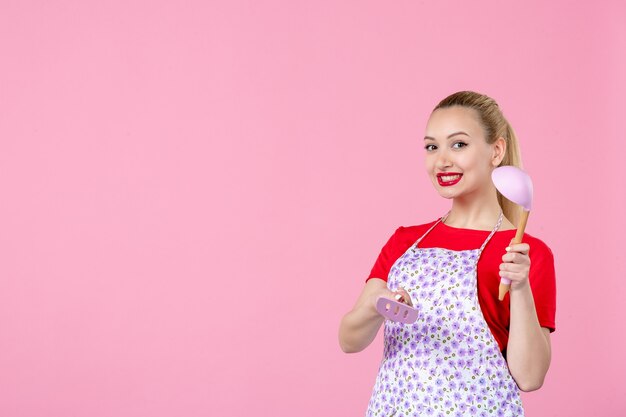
516	265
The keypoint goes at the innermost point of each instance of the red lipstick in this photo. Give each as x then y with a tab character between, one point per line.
451	178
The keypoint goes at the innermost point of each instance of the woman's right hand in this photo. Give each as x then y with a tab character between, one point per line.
400	295
360	325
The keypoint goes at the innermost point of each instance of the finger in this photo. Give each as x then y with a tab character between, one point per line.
404	297
517	258
519	248
516	277
514	268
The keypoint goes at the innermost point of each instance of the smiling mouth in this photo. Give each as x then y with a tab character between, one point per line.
448	179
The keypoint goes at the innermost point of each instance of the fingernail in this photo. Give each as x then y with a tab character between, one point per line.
398	297
508	248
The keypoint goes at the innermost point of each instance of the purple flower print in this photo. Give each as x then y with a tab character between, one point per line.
429	362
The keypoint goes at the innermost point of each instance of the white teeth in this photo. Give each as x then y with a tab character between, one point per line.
448	178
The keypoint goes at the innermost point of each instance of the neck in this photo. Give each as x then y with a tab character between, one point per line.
476	211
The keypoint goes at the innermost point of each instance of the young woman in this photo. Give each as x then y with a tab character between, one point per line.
468	353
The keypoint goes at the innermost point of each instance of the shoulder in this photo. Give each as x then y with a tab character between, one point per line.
538	248
416	229
404	236
412	232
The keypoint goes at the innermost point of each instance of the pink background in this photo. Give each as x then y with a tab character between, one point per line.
194	192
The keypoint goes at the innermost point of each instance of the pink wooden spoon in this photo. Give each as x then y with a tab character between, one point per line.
516	185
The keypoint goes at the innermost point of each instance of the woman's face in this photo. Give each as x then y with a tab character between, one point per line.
459	160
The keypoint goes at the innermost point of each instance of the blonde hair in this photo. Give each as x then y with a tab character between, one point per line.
495	125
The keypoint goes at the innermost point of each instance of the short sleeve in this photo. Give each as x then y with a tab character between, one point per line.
543	284
388	255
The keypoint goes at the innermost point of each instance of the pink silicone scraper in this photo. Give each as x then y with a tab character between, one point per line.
396	311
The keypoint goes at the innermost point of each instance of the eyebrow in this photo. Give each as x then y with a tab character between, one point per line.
449	136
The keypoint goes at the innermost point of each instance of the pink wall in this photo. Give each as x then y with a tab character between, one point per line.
175	175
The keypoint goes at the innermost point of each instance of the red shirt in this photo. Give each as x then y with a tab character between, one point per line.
496	312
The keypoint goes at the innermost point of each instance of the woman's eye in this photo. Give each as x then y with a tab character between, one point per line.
459	145
430	147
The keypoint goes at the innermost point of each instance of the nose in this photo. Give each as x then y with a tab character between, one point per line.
443	160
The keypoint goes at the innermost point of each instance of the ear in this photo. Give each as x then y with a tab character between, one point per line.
499	150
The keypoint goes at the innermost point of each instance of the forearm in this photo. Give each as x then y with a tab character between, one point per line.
528	349
358	328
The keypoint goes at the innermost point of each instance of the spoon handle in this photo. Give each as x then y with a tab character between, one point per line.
505	284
